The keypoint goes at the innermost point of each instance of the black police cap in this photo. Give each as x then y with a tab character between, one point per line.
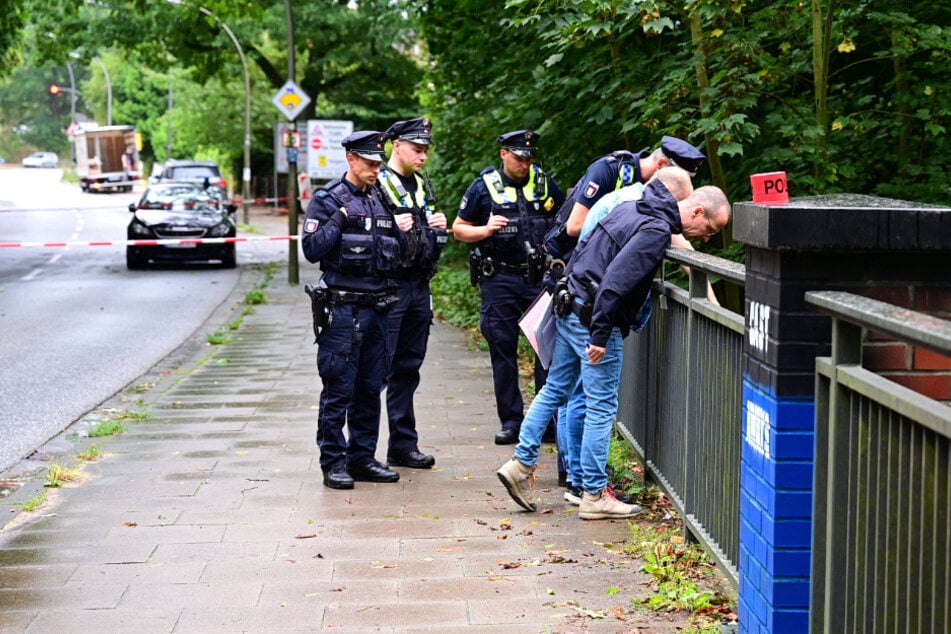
682	154
520	142
415	130
367	144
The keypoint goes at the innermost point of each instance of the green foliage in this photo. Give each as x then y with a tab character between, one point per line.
33	503
866	108
107	428
255	296
218	338
12	18
454	299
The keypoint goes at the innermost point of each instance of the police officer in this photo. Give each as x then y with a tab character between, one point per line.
405	191
612	172
505	213
358	244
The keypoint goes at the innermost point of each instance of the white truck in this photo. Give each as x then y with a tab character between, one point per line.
107	158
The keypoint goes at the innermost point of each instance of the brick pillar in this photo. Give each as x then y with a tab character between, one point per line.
852	243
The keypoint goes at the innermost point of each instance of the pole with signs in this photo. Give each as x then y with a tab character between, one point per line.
291	101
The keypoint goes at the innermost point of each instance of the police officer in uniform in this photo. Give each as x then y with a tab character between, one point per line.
505	213
358	244
405	191
610	173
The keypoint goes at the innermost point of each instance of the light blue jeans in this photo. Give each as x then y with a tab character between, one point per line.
570	431
569	363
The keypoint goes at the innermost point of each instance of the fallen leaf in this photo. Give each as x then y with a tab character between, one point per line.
130	524
311	536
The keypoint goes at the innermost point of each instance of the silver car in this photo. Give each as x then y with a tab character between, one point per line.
41	159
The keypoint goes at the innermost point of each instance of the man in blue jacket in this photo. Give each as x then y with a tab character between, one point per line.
608	280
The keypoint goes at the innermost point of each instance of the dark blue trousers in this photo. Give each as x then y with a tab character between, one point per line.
352	360
504	298
409	325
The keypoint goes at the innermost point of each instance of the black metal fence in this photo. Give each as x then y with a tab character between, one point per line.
881	547
681	403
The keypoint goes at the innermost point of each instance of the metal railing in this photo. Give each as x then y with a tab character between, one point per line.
684	416
881	548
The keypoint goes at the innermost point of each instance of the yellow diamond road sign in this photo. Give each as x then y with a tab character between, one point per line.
291	100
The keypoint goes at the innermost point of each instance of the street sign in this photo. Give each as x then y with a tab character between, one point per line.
281	130
326	158
290	100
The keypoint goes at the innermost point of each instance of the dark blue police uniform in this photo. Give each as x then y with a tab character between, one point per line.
358	245
610	173
503	267
411	318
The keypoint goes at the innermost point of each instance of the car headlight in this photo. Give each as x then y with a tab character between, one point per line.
220	231
139	229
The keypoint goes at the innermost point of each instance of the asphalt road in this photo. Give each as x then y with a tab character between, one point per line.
76	326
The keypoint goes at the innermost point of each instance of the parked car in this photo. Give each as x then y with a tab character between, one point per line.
181	211
41	159
204	173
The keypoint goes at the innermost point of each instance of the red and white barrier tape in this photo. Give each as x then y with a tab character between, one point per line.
144	243
259	201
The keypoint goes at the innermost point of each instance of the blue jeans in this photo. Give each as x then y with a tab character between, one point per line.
570	432
600	380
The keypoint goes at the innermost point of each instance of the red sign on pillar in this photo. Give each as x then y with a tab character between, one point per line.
770	188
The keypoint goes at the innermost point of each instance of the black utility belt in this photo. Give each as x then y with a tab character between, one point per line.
491	266
583	311
566	302
358	298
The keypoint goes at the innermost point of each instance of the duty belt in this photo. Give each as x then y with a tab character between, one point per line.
510	269
354	297
582	310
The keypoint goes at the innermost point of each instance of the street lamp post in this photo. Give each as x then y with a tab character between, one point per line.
72	94
105	73
246	172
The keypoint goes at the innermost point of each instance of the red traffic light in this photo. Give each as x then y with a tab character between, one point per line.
54	89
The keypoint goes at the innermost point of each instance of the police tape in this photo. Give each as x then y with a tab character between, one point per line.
146	243
259	201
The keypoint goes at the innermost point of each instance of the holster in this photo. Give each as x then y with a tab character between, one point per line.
537	265
321	308
475	268
561	298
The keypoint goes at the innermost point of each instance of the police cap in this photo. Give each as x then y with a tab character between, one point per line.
367	144
520	142
415	131
682	154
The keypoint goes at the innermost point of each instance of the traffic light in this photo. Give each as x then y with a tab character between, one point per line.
54	89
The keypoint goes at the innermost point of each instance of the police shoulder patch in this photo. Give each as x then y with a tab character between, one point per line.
591	189
465	201
310	225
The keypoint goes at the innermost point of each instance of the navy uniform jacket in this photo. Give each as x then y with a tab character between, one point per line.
614	265
359	250
601	178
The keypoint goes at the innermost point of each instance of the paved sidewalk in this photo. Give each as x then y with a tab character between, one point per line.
210	515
